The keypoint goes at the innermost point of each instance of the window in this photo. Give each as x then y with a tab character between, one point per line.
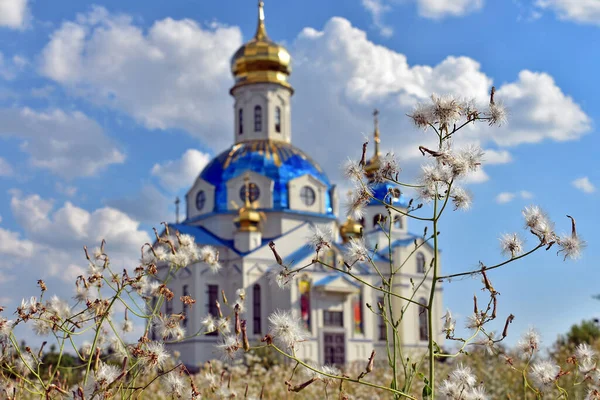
333	318
362	221
213	296
398	222
421	263
257	119
200	200
253	190
377	219
381	323
307	194
240	121
423	325
277	119
184	311
256	311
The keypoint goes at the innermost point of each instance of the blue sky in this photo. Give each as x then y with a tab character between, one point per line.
109	109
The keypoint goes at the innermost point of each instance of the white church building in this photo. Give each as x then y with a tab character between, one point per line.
289	194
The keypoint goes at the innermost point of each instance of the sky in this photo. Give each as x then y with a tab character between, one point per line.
109	110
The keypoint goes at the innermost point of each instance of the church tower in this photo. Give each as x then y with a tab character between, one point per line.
262	93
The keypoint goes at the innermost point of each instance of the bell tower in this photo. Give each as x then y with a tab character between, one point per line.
261	91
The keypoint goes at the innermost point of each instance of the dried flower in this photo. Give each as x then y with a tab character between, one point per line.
229	346
497	114
174	383
286	329
449	323
461	198
543	374
357	250
511	244
528	344
321	237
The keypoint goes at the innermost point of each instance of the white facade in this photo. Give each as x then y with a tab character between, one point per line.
292	195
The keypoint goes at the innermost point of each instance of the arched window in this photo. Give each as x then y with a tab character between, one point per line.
377	219
256	311
423	326
277	119
240	121
257	119
398	222
421	263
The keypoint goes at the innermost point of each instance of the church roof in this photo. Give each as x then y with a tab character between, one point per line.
381	191
279	161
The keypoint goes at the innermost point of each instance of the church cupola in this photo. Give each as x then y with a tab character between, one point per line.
374	162
248	235
262	92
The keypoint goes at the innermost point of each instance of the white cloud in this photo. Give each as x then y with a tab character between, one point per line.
67	143
584	185
14	14
432	9
438	9
53	239
174	75
582	11
478	176
71	227
11	244
5	168
378	8
179	174
507	197
497	157
341	76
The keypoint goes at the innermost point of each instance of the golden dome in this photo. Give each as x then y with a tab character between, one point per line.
261	60
350	229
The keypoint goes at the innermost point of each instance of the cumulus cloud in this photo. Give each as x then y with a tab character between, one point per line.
497	157
12	245
584	185
69	144
174	75
341	76
581	11
507	197
14	14
51	245
377	8
179	174
70	227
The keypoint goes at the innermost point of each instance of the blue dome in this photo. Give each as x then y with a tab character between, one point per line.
278	161
381	191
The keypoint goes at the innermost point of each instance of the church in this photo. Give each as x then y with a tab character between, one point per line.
263	189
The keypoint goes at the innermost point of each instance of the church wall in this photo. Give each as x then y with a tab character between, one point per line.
268	96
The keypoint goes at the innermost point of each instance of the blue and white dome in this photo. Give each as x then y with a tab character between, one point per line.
279	161
386	192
